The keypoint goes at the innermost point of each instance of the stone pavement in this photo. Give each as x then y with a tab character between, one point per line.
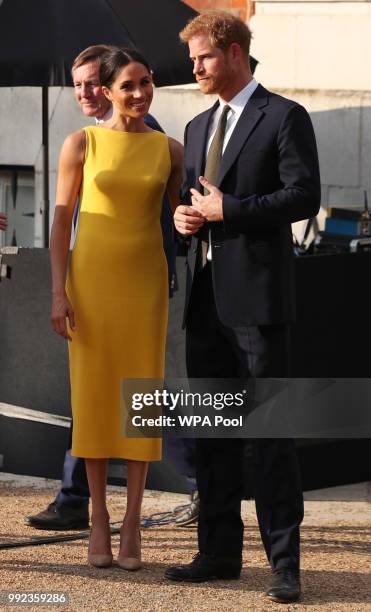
335	557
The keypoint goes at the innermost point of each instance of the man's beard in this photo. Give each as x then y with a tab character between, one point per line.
213	85
208	86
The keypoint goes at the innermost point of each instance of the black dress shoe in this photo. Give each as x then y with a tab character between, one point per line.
206	567
285	585
60	519
189	515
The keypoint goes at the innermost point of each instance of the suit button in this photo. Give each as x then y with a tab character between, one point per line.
195	249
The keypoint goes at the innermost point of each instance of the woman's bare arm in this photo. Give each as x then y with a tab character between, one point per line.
175	179
70	170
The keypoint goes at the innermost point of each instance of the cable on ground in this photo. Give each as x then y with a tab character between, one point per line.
156	519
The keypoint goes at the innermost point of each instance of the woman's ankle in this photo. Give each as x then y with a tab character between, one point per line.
99	518
131	523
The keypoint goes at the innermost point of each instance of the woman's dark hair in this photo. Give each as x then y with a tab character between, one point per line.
116	58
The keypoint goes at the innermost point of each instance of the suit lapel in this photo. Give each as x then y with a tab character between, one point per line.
250	117
203	131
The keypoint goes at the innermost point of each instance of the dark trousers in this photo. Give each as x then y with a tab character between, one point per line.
181	453
74	491
216	351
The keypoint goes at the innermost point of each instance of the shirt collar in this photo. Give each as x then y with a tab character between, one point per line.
238	103
105	117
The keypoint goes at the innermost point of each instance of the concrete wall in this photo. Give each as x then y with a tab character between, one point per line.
20	129
318	54
313	45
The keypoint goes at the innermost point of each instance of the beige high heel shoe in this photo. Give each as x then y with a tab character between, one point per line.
129	563
99	559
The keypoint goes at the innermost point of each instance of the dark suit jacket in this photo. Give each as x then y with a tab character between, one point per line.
269	176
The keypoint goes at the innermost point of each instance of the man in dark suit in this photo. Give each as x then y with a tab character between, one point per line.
251	169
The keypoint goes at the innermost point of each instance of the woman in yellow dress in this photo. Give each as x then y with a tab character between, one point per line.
111	299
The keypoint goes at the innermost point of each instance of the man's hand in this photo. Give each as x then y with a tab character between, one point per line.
188	220
3	222
211	205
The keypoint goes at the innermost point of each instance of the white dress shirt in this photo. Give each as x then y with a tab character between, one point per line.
237	104
107	116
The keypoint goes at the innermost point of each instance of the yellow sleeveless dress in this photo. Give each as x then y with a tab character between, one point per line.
117	284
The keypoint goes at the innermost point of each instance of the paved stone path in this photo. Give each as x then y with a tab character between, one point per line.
335	557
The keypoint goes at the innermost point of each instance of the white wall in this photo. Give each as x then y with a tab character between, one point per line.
318	53
20	129
313	45
173	107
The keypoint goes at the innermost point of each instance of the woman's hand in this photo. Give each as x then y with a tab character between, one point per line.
62	310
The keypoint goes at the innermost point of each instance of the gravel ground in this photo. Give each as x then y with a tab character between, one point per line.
335	558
